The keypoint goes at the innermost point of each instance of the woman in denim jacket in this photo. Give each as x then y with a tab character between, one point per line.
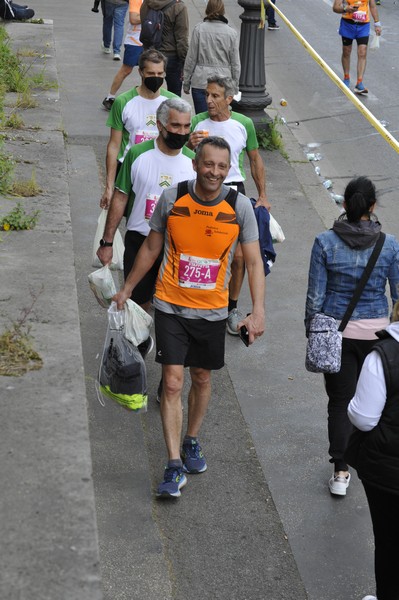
338	259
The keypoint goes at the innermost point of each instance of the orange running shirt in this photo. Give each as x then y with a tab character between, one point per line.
362	14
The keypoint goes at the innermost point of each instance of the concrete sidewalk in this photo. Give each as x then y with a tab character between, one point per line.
224	538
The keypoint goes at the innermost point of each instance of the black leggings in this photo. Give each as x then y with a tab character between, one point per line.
340	388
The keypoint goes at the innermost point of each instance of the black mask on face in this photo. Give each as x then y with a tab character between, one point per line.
175	141
153	83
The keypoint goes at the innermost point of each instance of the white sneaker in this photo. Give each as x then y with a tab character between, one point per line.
117	56
370	598
104	49
338	485
233	319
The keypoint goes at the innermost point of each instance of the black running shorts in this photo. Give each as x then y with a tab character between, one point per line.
190	342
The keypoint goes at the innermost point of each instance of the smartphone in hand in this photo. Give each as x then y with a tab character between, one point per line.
244	335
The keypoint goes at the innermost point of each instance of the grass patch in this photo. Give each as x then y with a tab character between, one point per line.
18	219
10	65
271	138
28	53
17	355
40	81
27	188
25	100
7	165
14	121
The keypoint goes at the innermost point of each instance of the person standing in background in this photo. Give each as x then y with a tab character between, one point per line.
133	49
271	17
204	59
174	44
114	14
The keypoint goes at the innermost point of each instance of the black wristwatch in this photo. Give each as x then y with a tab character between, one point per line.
104	243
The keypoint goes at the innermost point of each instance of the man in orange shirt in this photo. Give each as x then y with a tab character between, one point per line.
355	25
198	226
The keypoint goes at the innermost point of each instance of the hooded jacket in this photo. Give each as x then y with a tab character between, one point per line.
338	259
175	26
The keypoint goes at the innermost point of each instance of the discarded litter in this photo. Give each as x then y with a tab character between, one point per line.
313	145
317	170
337	198
283	102
284	121
314	156
384	123
327	184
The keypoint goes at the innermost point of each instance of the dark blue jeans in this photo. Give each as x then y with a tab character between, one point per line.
271	14
199	100
340	388
174	75
114	16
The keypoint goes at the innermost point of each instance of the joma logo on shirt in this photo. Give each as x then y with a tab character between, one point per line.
206	213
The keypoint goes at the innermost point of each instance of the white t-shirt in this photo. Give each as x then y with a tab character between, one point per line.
135	117
148	172
238	131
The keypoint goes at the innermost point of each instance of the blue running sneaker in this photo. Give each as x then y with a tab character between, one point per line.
174	479
347	82
193	457
360	89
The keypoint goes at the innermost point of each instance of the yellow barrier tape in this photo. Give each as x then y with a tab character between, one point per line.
262	15
359	105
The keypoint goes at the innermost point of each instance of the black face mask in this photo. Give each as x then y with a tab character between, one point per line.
175	141
153	83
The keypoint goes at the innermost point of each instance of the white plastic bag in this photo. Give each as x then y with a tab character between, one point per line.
375	42
137	323
118	247
276	231
122	375
103	286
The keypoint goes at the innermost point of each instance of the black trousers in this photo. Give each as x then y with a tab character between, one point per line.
384	510
340	388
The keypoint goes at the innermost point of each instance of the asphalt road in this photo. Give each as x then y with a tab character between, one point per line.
318	112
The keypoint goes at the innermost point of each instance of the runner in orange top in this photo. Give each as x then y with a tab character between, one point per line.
199	232
355	25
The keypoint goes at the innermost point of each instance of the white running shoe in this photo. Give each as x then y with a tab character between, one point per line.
370	598
234	317
338	484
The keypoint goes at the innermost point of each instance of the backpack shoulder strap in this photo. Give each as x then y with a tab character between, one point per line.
182	189
231	198
169	4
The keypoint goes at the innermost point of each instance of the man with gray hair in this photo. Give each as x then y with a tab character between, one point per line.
148	169
239	131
